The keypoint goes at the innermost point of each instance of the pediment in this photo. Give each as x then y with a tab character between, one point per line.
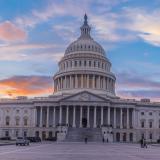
84	96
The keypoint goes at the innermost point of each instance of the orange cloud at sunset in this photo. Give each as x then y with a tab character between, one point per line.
10	32
26	86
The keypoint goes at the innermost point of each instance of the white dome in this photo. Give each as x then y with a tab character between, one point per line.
85	42
84	67
85	45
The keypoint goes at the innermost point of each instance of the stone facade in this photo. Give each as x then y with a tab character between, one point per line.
84	103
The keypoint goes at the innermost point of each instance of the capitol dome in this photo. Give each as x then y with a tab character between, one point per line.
85	42
84	66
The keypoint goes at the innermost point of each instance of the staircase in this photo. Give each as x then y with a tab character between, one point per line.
78	134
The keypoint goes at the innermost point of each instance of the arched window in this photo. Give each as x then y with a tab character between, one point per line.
17	121
25	119
7	121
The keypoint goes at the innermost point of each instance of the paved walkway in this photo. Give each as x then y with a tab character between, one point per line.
79	151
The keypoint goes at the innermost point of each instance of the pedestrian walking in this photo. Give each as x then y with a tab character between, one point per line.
85	140
103	140
141	142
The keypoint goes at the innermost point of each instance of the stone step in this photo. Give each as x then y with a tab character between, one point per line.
78	134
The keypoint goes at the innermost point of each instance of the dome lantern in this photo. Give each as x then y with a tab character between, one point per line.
85	29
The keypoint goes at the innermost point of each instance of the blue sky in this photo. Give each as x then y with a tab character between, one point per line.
34	35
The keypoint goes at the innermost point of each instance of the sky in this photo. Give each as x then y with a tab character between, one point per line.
35	34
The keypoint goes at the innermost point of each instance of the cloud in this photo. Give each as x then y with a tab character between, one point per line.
132	85
10	32
140	94
108	28
36	52
26	86
53	10
132	81
144	23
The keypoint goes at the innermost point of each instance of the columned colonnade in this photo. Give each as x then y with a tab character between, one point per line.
95	116
84	81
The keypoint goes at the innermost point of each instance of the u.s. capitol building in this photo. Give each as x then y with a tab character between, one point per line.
84	103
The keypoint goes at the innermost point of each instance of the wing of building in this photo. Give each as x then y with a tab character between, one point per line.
84	103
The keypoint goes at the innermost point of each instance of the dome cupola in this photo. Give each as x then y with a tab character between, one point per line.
85	43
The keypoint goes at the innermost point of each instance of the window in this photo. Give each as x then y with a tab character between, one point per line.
150	124
7	133
90	63
75	63
94	63
17	121
17	111
142	113
98	64
150	136
84	63
150	113
17	133
79	63
7	121
102	65
142	124
25	121
142	135
25	133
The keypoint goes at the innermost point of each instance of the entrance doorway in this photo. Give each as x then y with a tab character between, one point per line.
84	122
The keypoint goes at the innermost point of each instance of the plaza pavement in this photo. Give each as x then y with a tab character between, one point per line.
79	151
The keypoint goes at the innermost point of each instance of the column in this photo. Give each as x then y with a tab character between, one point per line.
70	82
60	115
87	81
54	116
104	84
133	118
121	118
93	82
115	126
88	124
99	82
41	114
35	117
107	84
76	81
67	115
47	119
101	115
65	82
127	118
81	80
109	116
95	117
58	84
61	83
74	114
80	116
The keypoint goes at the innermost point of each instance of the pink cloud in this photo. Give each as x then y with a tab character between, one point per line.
10	32
26	86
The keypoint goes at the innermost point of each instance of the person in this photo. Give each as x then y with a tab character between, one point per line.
141	142
103	140
107	140
85	140
145	143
